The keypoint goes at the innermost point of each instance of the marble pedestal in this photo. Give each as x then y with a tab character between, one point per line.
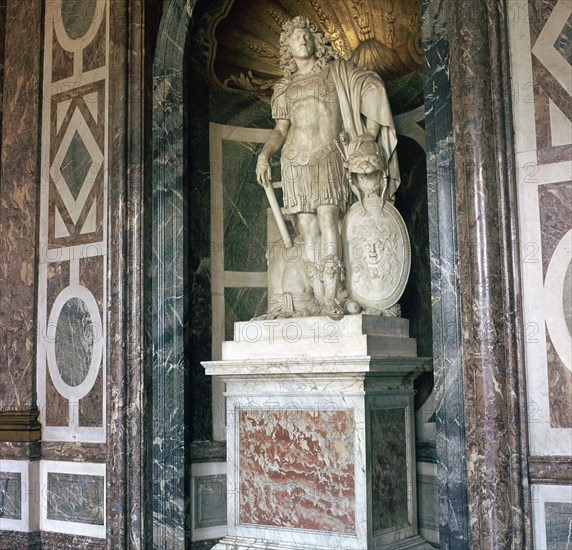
320	434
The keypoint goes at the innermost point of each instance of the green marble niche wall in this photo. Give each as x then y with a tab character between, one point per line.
244	211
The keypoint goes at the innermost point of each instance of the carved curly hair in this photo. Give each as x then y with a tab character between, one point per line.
322	48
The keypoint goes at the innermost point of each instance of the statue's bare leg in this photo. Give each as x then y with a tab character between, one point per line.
308	224
310	228
330	265
328	217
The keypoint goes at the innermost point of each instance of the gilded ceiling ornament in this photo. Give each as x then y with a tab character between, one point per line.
277	16
332	33
390	21
244	39
362	20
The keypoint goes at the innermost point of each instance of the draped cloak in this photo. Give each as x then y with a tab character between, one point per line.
361	93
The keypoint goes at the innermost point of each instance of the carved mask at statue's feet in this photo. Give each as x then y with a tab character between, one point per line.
301	45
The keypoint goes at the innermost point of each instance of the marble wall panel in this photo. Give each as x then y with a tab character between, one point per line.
242	304
73	342
20	539
389	468
552	512
559	388
555	212
72	232
210	501
297	469
245	231
197	176
76	498
542	92
20	450
62	60
63	540
73	498
18	199
411	201
428	502
208	495
56	410
10	495
540	71
550	31
76	452
94	54
558	524
90	408
20	496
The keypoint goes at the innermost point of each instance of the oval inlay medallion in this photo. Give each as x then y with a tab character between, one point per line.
74	342
77	16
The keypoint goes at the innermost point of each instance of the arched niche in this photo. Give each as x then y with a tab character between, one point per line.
243	231
168	322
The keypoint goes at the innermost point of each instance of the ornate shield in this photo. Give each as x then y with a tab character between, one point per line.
377	253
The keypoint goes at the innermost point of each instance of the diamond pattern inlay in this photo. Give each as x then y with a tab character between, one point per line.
76	165
75	204
563	43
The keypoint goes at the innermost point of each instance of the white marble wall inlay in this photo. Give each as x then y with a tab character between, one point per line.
216	473
30	495
84	500
541	88
550	494
72	278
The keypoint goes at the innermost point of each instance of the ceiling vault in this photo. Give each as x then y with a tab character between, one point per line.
381	35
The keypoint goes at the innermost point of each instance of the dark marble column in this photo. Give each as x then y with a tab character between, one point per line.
147	456
18	217
448	366
488	276
169	309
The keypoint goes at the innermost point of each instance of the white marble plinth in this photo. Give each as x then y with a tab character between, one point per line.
320	337
320	433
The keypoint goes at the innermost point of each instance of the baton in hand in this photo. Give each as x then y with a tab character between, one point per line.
276	210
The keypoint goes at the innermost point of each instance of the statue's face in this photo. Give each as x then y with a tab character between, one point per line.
301	44
372	252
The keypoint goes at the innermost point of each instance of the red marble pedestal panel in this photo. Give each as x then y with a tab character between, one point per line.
297	469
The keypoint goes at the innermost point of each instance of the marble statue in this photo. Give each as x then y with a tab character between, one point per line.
290	292
320	97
